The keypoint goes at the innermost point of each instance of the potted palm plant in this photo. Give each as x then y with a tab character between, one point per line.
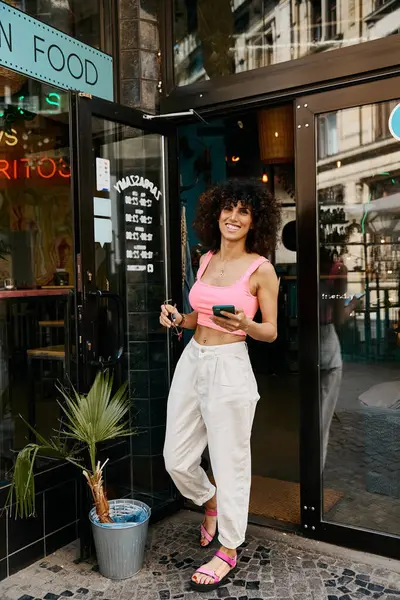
119	526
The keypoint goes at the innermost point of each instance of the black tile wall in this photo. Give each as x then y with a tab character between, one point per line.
115	450
157	352
22	532
61	538
158	383
3	528
157	436
141	443
3	569
161	480
60	506
139	355
141	474
141	413
158	411
63	471
156	331
22	541
26	557
118	478
139	384
138	330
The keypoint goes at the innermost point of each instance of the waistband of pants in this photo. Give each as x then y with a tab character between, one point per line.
236	348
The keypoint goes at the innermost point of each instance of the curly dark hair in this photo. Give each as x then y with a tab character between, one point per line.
265	212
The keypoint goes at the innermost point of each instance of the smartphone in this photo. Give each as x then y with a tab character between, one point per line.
225	307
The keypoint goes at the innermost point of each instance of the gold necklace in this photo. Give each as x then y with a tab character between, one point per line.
222	271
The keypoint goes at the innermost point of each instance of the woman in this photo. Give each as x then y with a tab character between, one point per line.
214	393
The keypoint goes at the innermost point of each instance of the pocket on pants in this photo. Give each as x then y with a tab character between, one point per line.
231	371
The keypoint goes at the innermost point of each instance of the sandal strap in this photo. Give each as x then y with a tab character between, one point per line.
208	572
230	561
205	533
211	512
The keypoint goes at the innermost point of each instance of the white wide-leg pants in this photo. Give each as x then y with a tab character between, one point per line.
212	401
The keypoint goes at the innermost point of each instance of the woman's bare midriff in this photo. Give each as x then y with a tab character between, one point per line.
211	337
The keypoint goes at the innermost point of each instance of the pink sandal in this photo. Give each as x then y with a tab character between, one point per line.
204	532
209	587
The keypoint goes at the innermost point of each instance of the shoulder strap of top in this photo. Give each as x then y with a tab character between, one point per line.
254	266
204	264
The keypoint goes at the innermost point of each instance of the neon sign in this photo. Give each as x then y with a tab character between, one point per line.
9	139
25	168
33	104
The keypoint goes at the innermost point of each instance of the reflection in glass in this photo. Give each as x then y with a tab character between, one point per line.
358	184
80	20
220	37
129	255
36	259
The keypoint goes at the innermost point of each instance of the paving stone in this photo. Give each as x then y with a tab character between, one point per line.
267	570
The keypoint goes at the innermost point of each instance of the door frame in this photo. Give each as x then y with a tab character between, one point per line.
82	108
354	90
306	109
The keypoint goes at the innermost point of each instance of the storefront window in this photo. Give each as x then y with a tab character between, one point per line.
220	37
84	21
37	277
358	186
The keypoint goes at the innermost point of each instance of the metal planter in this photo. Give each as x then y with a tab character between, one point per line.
120	546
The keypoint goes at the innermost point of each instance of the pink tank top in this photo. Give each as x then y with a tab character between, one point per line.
203	296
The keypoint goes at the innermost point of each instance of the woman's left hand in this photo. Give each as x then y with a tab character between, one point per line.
232	322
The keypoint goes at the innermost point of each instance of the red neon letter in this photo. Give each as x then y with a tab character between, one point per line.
4	165
64	166
50	175
27	167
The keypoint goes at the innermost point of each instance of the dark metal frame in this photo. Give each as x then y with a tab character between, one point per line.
346	77
82	109
306	109
274	83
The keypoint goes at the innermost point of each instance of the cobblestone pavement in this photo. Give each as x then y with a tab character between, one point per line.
272	566
349	466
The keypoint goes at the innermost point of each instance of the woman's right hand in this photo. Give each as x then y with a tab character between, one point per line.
166	311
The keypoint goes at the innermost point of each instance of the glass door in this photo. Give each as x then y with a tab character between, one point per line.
349	302
123	250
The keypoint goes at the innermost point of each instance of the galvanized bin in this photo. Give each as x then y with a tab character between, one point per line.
120	547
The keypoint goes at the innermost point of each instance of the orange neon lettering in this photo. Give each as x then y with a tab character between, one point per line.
50	175
15	165
27	167
64	166
4	165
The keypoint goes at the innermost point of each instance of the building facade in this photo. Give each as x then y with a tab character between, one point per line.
294	93
115	116
50	52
